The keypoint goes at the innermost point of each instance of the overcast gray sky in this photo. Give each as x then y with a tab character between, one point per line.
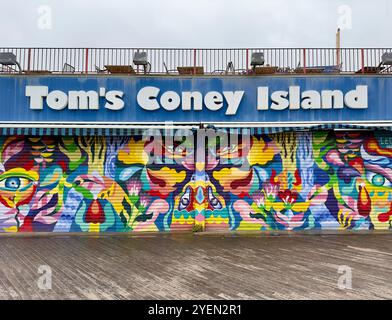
195	23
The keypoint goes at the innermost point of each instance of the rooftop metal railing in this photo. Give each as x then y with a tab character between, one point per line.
209	61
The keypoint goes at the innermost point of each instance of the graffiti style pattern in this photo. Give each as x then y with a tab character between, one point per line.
311	180
288	181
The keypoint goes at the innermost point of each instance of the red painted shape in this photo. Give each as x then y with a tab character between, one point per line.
242	182
95	213
298	180
384	217
27	225
357	164
86	61
29	198
364	202
157	181
288	196
273	175
156	193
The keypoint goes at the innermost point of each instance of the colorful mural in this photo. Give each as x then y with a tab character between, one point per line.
340	180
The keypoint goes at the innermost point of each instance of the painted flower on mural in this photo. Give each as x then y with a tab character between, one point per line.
143	203
281	212
288	198
271	191
265	198
276	195
259	199
134	187
106	206
97	212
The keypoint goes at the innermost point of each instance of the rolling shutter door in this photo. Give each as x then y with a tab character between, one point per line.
316	180
88	184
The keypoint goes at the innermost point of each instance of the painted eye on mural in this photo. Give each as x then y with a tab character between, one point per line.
214	202
15	183
378	180
185	199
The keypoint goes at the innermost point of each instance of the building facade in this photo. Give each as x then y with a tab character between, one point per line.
94	151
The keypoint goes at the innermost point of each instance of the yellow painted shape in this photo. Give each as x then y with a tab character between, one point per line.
93	227
217	220
183	221
249	226
12	229
301	206
134	153
380	204
200	166
171	176
227	175
20	172
260	153
278	206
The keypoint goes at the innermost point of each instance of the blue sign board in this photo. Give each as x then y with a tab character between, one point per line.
130	99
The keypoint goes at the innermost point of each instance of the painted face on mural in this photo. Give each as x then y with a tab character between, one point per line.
114	188
30	181
265	183
151	181
199	201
